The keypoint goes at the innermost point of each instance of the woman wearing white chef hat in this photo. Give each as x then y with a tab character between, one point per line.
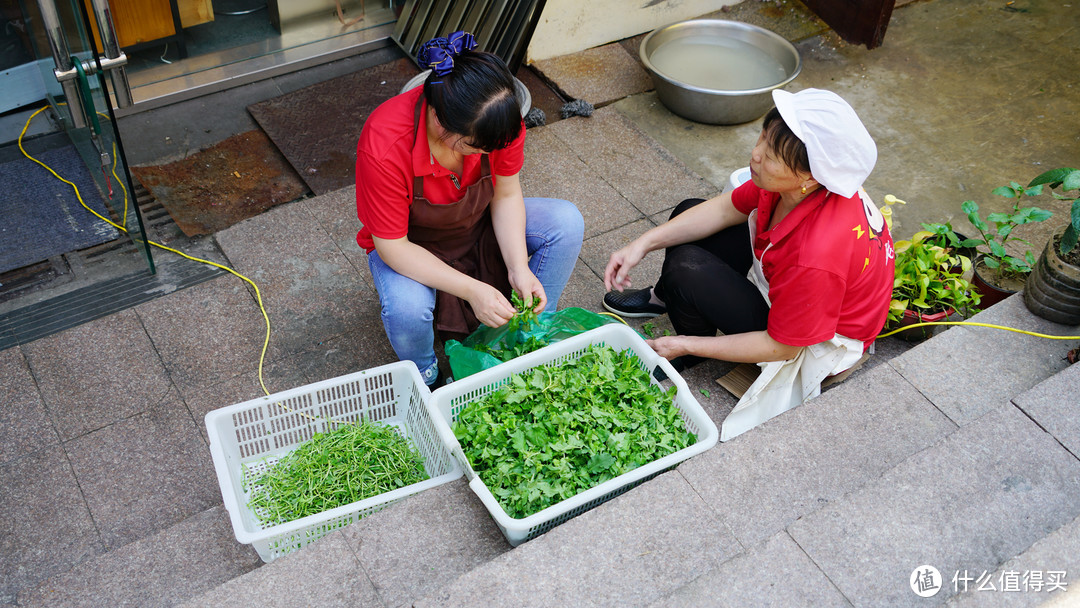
794	268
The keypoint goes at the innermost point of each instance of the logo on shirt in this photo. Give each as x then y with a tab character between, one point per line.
876	223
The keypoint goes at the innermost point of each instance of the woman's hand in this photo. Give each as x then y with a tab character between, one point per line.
529	287
616	275
489	306
668	347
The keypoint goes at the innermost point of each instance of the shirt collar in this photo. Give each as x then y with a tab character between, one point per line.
421	152
808	205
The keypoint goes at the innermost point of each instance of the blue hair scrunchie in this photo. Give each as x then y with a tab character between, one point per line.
438	53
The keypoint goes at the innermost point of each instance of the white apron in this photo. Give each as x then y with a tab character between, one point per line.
783	385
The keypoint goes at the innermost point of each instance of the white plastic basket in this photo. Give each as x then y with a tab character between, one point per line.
447	402
255	434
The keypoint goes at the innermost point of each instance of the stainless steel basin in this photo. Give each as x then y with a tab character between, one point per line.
713	105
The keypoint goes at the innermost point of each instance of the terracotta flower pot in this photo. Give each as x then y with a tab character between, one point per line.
1053	287
911	317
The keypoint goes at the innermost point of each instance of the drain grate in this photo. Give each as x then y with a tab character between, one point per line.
98	300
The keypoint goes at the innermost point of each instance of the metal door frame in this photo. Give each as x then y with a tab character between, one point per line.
74	76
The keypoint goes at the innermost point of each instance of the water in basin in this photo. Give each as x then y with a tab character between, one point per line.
719	64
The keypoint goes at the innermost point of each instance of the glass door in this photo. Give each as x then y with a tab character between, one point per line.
57	107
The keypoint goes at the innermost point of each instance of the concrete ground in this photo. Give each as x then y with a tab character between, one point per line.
961	453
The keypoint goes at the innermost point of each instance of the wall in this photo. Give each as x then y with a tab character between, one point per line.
569	26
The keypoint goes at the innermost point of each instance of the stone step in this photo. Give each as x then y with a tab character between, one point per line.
967	503
756	517
179	562
1042	575
389	558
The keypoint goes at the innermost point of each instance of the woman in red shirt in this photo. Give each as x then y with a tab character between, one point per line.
447	230
794	266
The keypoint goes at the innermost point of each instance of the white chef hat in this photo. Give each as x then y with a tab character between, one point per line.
841	152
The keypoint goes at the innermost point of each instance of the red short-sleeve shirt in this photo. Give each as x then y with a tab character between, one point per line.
829	264
389	155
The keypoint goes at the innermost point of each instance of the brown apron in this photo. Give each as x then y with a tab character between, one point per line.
461	235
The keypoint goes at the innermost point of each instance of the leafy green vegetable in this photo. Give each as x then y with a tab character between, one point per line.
648	329
705	392
526	313
506	353
350	463
552	432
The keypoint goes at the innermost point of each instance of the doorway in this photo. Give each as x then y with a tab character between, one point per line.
65	184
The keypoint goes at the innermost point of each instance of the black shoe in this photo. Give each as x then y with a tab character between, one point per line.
440	381
633	303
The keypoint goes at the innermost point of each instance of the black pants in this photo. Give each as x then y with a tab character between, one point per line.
704	284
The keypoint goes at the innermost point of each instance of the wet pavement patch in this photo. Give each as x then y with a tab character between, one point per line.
215	188
317	127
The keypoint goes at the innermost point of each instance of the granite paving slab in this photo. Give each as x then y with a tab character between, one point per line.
763	480
144	473
325	574
1025	580
96	373
363	348
179	562
966	371
659	536
636	165
773	573
596	252
598	75
307	284
277	376
711	151
45	526
983	495
336	213
583	290
552	169
24	423
426	541
206	333
1053	405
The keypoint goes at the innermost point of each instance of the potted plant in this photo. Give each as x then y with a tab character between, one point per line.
996	272
1052	290
929	285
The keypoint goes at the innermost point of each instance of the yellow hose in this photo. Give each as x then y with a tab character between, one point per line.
78	195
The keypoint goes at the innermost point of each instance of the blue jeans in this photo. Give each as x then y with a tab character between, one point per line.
553	232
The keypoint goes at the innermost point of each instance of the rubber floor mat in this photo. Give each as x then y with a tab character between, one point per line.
215	188
42	216
317	127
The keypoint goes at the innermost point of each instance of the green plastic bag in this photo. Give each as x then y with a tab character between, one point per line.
472	355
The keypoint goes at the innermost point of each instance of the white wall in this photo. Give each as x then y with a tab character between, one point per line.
569	26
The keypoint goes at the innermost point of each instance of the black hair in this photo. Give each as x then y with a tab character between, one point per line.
477	100
783	141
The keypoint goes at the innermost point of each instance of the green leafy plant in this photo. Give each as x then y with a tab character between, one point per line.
549	433
930	278
526	313
991	242
1068	181
339	467
649	329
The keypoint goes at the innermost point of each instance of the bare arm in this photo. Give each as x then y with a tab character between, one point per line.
695	223
508	220
750	347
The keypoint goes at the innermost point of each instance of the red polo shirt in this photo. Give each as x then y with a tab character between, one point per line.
389	155
829	271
